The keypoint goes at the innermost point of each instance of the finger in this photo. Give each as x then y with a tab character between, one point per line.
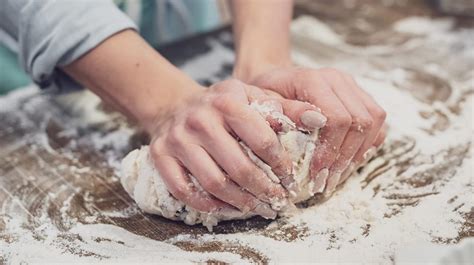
213	180
310	87
350	146
272	111
348	172
332	134
353	166
358	131
377	113
303	114
181	187
268	105
255	132
381	136
227	152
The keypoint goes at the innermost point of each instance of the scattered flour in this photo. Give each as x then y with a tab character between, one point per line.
367	221
145	184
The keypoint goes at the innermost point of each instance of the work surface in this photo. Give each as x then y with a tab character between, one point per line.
61	199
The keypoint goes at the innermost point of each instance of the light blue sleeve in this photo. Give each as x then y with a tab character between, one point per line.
54	33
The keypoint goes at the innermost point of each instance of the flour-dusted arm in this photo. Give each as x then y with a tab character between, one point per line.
54	33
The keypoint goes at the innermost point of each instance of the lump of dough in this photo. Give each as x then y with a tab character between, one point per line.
144	184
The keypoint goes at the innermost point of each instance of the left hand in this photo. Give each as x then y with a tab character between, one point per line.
354	119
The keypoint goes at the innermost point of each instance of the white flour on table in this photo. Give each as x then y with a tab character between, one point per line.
418	189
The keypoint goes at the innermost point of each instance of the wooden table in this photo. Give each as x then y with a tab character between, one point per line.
59	155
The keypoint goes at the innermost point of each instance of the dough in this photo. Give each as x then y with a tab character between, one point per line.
143	182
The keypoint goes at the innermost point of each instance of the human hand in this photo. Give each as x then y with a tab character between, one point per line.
199	137
354	119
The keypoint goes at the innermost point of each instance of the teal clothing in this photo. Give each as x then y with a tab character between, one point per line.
11	75
158	21
164	21
48	34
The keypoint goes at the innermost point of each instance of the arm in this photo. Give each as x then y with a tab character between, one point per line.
191	128
261	33
126	73
53	33
261	30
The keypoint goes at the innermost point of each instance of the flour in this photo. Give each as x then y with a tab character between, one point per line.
144	183
418	190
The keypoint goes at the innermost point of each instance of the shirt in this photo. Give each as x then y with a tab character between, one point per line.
52	33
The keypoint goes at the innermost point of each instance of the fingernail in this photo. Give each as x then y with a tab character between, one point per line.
369	154
265	211
313	119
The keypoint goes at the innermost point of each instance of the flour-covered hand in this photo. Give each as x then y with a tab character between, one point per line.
200	137
354	119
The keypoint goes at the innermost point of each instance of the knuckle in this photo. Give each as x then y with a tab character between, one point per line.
157	148
340	121
175	137
361	124
181	192
198	121
245	171
268	145
380	114
214	185
249	202
275	191
223	103
377	112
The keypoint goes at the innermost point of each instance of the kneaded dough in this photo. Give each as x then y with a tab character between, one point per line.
143	182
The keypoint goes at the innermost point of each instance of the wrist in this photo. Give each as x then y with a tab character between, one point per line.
257	54
248	70
153	115
262	39
132	77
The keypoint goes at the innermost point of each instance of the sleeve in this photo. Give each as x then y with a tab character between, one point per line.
52	33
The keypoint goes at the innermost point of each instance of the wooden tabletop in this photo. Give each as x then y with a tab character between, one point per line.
60	155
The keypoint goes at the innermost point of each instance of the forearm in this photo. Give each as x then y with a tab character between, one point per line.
261	33
128	74
51	34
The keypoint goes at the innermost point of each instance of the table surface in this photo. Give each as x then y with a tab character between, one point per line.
61	198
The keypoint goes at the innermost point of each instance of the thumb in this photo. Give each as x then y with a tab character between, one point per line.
303	114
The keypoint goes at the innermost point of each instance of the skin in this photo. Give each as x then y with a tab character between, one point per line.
193	129
354	119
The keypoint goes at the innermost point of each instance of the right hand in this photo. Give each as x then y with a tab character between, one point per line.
199	137
354	120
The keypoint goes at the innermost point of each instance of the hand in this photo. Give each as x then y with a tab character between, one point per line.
193	129
199	137
354	119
